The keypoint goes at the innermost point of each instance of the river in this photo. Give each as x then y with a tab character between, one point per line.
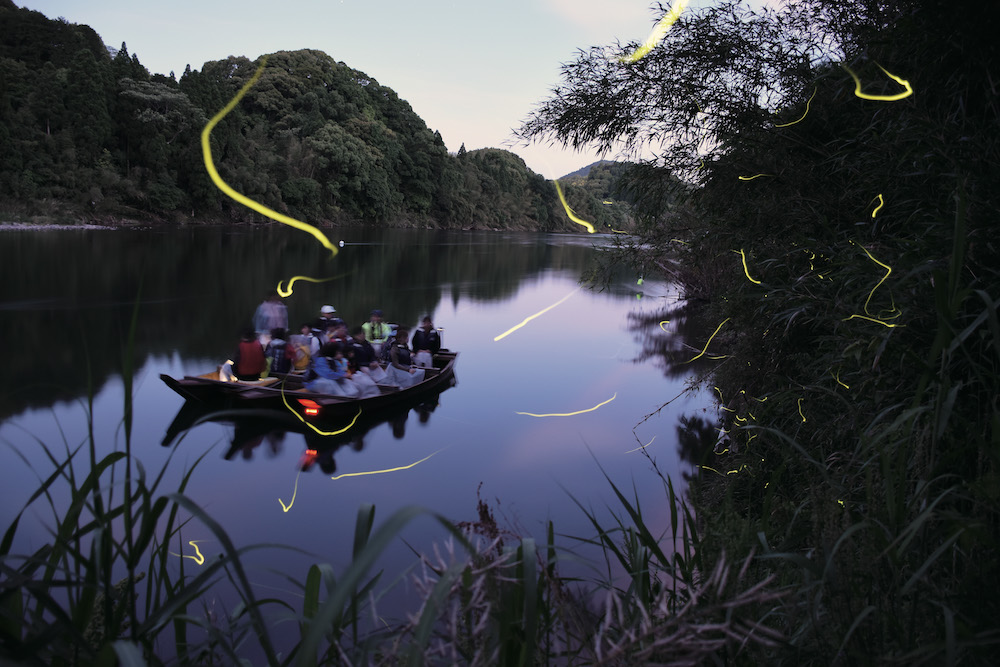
65	316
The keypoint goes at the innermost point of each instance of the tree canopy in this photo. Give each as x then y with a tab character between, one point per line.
824	175
89	131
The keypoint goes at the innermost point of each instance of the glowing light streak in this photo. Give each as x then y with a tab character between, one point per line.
881	203
705	349
531	317
639	281
206	150
569	414
664	322
291	502
197	557
302	419
658	33
808	102
713	470
800	410
679	241
836	376
569	211
872	319
812	256
719	392
288	291
746	271
750	178
888	270
881	98
379	472
643	447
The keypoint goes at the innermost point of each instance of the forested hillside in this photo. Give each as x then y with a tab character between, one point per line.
90	133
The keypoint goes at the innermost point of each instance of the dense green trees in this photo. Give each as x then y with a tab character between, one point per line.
847	243
90	134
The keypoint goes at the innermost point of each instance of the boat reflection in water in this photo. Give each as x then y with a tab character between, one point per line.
253	427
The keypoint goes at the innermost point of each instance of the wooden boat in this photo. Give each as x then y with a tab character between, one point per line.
287	392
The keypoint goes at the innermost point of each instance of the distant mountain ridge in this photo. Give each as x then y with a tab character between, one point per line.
583	172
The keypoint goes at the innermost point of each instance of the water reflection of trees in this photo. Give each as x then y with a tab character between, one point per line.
70	295
696	438
672	346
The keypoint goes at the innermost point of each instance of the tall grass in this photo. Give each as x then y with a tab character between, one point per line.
109	588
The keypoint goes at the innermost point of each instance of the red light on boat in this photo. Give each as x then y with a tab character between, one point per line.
309	407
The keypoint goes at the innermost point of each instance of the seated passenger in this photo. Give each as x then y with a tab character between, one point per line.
249	361
305	345
364	356
376	331
327	316
277	351
400	371
332	375
426	343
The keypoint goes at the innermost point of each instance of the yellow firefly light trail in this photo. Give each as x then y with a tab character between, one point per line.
658	33
206	150
888	270
800	410
302	419
643	447
569	211
808	102
569	414
705	349
881	203
198	557
664	328
872	319
378	472
745	269
291	502
288	291
750	178
531	317
881	98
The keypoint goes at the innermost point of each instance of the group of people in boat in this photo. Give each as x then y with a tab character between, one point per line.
335	360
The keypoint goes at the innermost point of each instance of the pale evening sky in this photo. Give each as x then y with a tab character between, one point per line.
471	69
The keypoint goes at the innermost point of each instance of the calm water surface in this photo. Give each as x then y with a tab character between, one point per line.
66	306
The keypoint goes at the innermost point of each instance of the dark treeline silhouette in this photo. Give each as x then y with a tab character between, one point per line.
87	132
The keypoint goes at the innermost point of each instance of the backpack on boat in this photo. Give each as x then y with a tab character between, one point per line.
302	356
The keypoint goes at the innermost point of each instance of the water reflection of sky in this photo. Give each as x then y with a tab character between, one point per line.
571	358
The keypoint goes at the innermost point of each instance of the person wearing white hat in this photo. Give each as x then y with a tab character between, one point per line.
327	316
